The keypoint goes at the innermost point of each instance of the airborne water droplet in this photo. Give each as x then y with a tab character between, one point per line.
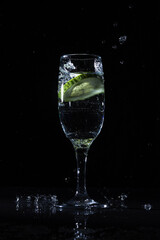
67	179
121	62
123	196
149	145
114	47
103	41
122	39
131	6
115	24
147	206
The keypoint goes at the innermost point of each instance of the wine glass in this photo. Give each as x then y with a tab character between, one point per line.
81	105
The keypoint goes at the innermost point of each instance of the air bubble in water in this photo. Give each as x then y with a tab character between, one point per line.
147	206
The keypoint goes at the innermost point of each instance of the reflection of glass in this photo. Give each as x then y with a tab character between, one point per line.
81	104
81	231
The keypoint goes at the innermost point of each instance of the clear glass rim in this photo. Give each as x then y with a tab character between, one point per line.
80	56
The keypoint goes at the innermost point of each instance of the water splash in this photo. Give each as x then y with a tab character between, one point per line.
98	66
69	66
64	72
116	202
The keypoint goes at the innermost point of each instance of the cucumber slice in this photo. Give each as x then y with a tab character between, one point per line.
81	87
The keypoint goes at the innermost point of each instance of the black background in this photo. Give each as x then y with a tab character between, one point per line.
34	150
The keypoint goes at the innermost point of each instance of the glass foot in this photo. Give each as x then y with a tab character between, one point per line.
80	202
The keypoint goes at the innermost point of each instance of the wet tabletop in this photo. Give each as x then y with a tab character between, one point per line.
30	213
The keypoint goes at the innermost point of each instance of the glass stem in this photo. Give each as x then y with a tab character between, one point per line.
81	157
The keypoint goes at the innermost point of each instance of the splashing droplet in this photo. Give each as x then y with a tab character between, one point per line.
131	6
105	206
147	206
115	24
122	39
123	196
103	41
121	62
67	179
149	145
114	47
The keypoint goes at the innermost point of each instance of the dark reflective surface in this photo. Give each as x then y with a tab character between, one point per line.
32	214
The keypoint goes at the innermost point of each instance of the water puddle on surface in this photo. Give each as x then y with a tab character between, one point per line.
41	203
90	223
